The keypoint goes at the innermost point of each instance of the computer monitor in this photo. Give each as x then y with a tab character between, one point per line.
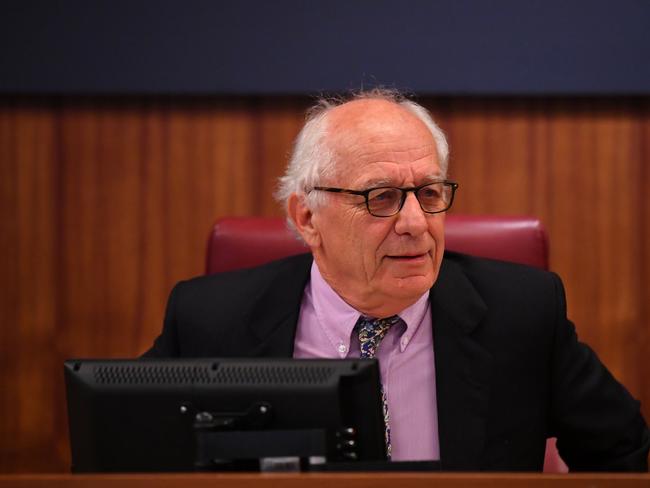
210	414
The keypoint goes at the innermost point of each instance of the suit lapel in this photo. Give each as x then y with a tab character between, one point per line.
463	368
273	314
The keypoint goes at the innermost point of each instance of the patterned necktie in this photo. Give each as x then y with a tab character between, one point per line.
371	332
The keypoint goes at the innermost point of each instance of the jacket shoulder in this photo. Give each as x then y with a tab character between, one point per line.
246	280
500	276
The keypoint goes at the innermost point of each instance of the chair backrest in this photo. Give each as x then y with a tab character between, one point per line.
243	242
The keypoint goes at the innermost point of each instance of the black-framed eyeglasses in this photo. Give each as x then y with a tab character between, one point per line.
386	201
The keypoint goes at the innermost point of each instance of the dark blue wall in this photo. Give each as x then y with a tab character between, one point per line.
446	47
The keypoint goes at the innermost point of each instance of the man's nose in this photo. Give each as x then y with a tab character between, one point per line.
411	219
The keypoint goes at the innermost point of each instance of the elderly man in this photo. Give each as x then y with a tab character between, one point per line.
478	361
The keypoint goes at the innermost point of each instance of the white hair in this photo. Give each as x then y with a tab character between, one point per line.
312	160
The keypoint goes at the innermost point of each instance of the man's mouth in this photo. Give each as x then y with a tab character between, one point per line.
408	257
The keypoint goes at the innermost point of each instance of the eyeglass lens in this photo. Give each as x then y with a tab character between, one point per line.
386	201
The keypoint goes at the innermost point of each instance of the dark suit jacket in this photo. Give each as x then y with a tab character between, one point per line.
510	371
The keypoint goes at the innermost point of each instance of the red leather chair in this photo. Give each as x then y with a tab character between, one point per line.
242	242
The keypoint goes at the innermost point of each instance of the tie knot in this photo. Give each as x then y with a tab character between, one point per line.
371	332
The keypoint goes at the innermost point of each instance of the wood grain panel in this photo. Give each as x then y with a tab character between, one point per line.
642	329
27	285
106	203
593	225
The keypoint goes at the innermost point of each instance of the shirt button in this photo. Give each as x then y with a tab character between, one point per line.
342	348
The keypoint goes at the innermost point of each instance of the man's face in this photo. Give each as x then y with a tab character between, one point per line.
379	265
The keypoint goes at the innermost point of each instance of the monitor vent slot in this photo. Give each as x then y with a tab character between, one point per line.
151	374
276	375
241	374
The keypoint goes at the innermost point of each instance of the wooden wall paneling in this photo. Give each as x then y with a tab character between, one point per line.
8	255
100	179
26	285
234	137
118	184
80	267
36	332
642	334
617	209
507	186
542	185
468	162
202	158
210	174
153	276
490	156
587	225
184	185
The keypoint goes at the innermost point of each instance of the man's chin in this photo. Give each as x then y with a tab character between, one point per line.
411	286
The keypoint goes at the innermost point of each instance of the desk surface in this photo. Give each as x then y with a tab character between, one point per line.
322	480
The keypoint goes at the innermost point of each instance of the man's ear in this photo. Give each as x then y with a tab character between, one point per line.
303	219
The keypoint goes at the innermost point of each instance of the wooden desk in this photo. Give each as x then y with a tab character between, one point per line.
325	480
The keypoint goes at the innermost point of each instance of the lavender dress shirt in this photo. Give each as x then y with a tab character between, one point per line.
325	330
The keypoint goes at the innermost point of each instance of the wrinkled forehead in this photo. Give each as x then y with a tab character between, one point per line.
364	132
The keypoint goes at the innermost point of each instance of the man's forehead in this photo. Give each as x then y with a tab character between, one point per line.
370	138
375	125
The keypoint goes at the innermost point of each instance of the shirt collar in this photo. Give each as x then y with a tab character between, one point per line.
338	318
